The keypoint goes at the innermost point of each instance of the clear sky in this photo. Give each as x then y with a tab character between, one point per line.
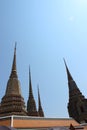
45	32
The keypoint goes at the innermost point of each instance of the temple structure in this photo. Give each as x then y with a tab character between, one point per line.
12	102
14	112
31	104
77	106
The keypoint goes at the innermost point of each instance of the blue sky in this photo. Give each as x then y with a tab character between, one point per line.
45	32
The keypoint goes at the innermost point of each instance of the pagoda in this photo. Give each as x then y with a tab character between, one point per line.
31	104
77	105
12	102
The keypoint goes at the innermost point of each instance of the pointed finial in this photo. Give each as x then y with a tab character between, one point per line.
39	102
68	73
40	110
15	47
29	75
38	88
64	62
38	96
30	84
29	71
14	70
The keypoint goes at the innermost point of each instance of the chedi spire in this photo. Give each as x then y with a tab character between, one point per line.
31	104
14	69
68	73
40	110
77	105
13	103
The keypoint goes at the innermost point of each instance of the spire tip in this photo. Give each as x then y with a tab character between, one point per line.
64	61
15	47
29	71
